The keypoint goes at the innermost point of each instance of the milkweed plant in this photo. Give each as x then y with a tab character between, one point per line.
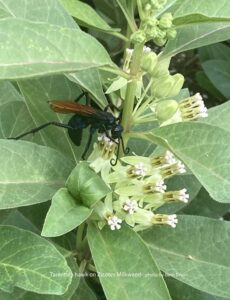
145	216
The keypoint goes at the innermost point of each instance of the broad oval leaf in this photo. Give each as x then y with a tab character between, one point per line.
195	252
86	15
47	49
195	36
127	269
219	116
31	263
50	12
86	186
30	173
180	291
64	214
205	149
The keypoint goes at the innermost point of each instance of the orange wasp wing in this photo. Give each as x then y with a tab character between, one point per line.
68	107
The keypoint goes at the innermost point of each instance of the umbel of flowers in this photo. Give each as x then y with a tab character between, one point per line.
139	185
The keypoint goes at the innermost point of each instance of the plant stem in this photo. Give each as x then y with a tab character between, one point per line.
132	87
79	236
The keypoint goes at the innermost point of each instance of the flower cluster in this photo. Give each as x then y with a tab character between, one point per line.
140	188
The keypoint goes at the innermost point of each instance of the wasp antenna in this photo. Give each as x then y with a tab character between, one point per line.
113	161
125	150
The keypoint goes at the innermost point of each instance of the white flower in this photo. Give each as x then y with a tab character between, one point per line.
183	196
114	222
172	220
174	169
147	49
161	219
160	186
180	167
193	108
169	158
129	51
139	170
130	206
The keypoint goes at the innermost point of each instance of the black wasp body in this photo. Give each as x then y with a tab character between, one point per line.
84	116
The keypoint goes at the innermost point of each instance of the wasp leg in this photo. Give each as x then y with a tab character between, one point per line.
91	132
34	130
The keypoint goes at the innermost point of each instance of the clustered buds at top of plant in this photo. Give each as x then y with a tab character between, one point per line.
152	28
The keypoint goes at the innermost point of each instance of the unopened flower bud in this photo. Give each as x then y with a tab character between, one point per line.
148	62
155	4
161	68
166	21
166	109
168	86
138	37
171	33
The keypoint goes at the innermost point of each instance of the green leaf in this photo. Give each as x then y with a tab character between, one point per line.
206	85
31	263
127	269
84	292
204	205
180	291
30	173
14	118
218	72
197	35
86	15
37	94
201	11
51	12
47	49
199	23
86	186
205	149
19	294
64	214
90	81
216	51
219	116
194	252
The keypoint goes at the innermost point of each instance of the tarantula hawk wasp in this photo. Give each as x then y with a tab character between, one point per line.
85	116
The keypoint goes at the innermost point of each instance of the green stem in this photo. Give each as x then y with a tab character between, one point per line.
79	236
131	87
139	6
143	96
82	266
